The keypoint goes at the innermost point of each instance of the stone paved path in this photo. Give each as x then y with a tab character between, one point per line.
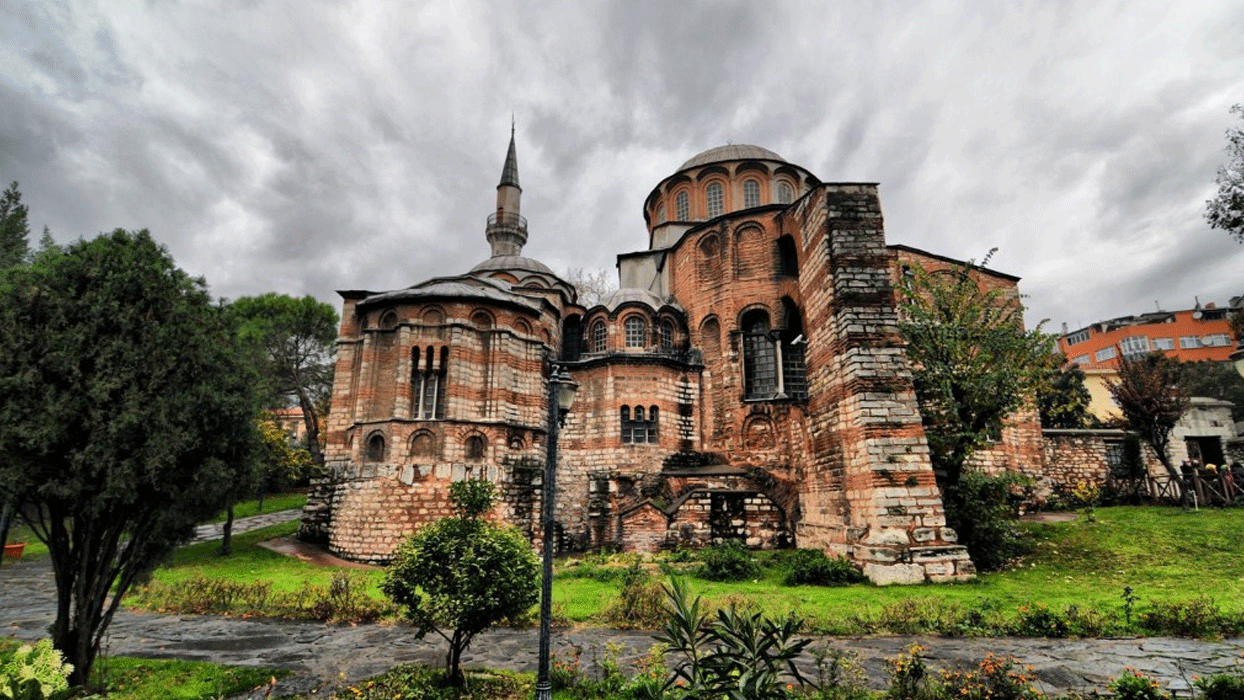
324	656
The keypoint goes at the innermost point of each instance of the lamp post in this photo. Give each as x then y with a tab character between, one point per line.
560	397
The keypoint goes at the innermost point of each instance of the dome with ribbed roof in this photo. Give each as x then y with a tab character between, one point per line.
505	263
740	151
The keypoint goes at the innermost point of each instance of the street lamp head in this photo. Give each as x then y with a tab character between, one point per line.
566	388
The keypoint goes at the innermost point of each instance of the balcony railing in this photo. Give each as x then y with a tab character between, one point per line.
511	221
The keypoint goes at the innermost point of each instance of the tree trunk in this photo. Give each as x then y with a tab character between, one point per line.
226	542
311	421
6	518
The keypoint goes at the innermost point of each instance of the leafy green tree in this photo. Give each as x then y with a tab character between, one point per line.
1152	401
973	363
14	229
1062	397
1217	380
291	341
1226	210
279	465
126	412
461	575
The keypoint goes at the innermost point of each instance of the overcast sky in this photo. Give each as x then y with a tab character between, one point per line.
305	147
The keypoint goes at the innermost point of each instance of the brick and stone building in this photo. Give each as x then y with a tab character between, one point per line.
746	381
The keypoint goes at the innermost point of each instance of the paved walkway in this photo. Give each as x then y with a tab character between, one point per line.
323	656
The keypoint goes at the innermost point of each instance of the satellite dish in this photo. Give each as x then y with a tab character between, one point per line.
1196	314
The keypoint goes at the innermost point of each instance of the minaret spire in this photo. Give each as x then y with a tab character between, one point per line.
507	229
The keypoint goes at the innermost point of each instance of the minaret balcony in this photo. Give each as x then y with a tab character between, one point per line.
504	221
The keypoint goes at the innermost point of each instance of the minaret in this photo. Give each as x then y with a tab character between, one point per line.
507	229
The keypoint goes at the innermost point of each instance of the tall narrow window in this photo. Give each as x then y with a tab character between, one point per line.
652	425
715	200
759	363
681	206
788	257
628	433
636	330
660	213
751	193
667	335
572	338
785	194
600	336
794	343
429	371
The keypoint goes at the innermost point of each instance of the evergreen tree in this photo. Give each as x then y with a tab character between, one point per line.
14	229
126	415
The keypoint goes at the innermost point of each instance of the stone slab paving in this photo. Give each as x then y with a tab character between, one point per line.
324	656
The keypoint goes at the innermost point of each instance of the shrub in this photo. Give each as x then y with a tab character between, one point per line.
839	675
1039	620
983	510
641	601
995	678
811	567
728	561
1221	686
1134	685
1198	617
36	672
910	678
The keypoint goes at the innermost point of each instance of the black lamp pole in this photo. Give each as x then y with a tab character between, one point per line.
560	395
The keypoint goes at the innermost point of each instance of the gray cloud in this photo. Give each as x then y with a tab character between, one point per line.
307	147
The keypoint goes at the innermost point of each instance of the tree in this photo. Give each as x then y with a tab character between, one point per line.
1216	380
973	363
1062	397
279	465
592	286
1226	210
461	575
14	229
291	341
126	412
1151	400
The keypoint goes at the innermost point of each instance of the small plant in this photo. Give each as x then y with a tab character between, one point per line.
641	600
1199	617
910	678
1039	620
36	672
728	561
1087	495
811	567
1134	685
1221	686
995	678
1129	603
839	675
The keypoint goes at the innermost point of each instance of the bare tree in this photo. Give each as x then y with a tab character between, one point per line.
592	285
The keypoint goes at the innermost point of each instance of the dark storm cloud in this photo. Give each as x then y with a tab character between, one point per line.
307	147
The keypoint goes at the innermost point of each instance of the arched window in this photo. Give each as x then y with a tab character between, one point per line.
660	213
751	193
652	424
423	444
476	446
636	332
786	194
375	448
759	362
572	338
429	370
714	198
628	434
639	427
681	206
600	336
388	320
481	320
667	335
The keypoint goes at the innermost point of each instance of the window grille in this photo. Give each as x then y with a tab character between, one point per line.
715	200
751	194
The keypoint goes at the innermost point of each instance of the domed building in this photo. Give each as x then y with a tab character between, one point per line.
746	381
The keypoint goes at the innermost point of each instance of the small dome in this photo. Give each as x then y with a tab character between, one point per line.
512	262
731	152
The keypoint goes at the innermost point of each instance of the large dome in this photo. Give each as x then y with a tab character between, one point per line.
731	152
512	262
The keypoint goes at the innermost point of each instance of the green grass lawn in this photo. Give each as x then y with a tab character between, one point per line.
271	504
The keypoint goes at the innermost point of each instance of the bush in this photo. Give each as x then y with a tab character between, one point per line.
995	678
1221	686
36	672
728	561
811	567
1134	685
983	511
641	601
1199	617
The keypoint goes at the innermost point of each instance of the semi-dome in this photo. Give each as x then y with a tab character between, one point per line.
740	151
618	297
